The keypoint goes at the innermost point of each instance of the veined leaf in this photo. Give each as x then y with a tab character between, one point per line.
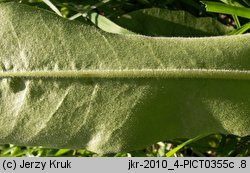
65	84
163	22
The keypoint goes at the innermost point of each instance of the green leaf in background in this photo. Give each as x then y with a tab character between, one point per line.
65	84
227	9
163	22
173	151
106	24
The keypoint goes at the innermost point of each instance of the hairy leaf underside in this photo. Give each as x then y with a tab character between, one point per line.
65	84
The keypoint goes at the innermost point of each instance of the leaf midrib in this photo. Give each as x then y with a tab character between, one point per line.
144	73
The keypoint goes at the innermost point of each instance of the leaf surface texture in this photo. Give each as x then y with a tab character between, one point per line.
65	84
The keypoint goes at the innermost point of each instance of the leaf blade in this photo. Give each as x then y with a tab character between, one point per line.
73	112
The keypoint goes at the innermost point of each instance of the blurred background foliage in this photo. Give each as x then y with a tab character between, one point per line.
113	9
215	145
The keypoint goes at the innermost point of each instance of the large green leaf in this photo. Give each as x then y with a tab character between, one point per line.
65	84
163	22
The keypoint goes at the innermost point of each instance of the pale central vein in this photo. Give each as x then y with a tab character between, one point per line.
144	73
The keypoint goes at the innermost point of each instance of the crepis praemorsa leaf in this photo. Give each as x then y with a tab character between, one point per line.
65	84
